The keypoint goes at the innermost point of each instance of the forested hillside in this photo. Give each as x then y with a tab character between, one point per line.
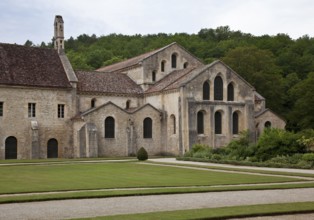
280	68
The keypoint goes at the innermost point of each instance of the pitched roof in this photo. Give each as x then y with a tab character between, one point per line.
258	114
128	111
30	66
132	61
170	81
92	81
258	97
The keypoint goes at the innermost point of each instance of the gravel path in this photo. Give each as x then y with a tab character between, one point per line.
140	204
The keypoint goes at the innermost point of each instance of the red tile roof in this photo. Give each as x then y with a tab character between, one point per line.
91	81
30	66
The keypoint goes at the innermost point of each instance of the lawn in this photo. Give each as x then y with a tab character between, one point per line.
221	213
60	177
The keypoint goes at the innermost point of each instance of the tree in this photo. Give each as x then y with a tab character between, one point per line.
29	43
259	69
303	94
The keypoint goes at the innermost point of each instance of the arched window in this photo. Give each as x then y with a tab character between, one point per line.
235	123
154	76
200	122
218	123
185	65
267	124
10	148
147	128
174	60
206	91
218	88
52	148
230	92
93	103
109	127
162	66
173	124
128	103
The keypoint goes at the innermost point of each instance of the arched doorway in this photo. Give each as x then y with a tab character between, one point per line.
11	148
52	148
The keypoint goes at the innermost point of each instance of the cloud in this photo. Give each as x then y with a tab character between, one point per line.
33	19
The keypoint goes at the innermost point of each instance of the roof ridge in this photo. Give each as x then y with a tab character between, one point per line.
180	77
141	57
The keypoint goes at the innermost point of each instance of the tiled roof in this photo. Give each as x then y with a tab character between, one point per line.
91	81
30	66
170	81
131	62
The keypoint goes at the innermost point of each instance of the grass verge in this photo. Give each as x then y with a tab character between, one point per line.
140	192
248	170
221	213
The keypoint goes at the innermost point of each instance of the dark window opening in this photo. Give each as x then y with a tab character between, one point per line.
127	106
206	91
61	111
11	148
185	65
235	123
154	76
267	124
163	66
52	148
218	88
109	127
218	123
200	122
1	109
147	128
230	92
93	103
31	110
174	60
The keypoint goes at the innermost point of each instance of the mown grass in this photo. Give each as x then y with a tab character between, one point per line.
62	177
221	213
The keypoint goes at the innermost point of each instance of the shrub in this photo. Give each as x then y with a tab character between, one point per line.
216	157
202	154
142	154
275	142
199	147
308	157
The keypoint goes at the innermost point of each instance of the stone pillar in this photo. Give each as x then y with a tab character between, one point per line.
35	140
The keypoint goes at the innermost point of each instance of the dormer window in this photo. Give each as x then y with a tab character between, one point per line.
174	60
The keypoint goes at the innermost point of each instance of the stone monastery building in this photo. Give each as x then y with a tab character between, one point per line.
164	100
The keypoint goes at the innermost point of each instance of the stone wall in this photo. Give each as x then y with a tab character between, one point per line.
242	104
32	140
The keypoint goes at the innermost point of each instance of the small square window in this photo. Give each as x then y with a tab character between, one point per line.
31	110
60	111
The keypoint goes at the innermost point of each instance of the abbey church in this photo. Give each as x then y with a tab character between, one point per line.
165	100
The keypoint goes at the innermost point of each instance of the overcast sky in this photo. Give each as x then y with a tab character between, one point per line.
22	20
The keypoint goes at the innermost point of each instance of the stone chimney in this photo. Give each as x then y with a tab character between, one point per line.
59	33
